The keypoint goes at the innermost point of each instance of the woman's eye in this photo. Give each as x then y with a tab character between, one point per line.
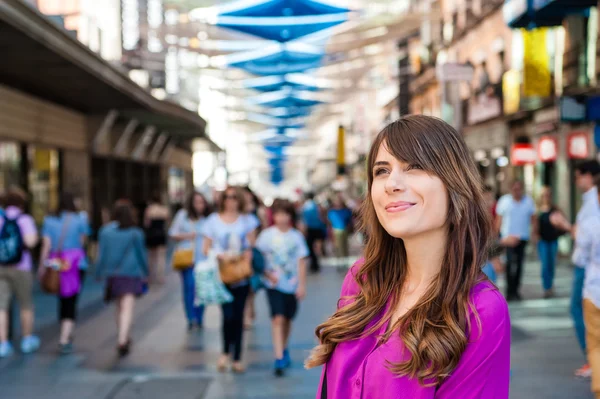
414	166
380	171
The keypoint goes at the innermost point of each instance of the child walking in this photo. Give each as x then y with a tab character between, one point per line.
285	252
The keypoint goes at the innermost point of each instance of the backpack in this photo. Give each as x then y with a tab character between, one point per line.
11	243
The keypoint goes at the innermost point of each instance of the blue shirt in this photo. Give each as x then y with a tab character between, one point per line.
282	252
121	252
339	218
183	224
516	216
588	247
589	210
311	216
70	226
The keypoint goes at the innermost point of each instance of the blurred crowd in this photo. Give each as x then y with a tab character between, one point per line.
225	250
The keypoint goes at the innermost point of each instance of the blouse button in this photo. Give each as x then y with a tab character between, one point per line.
358	382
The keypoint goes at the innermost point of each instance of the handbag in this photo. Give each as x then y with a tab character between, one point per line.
183	259
235	270
51	277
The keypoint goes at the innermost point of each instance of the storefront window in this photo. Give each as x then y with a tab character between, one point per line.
10	165
176	186
43	181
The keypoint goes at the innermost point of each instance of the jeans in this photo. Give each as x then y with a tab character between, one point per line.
233	321
514	268
577	305
193	313
547	251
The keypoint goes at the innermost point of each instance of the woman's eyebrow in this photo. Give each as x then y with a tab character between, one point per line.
381	163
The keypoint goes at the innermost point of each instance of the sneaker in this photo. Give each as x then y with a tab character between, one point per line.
279	367
287	360
65	349
124	349
6	349
584	372
30	344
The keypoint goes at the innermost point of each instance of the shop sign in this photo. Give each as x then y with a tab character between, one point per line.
578	145
511	91
593	108
485	106
548	149
522	154
572	110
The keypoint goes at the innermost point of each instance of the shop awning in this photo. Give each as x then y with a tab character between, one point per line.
538	13
41	58
297	81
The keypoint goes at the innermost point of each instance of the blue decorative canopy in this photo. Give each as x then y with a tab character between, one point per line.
539	13
286	99
278	59
282	20
295	81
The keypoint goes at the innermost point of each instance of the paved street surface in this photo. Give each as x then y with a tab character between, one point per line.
169	362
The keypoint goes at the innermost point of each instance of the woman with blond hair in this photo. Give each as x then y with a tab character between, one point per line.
417	318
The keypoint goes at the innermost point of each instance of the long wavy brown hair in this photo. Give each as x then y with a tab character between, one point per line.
435	330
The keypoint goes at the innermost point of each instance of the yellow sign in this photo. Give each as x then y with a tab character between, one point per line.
511	87
537	81
341	151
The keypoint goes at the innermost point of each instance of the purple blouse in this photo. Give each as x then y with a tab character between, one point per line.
357	369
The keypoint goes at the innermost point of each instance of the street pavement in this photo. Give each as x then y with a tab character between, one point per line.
169	362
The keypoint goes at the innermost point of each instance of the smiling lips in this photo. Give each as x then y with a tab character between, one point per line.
399	206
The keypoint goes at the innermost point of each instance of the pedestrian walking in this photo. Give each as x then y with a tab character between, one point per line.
285	252
415	315
228	233
123	262
588	241
585	174
340	217
63	239
316	230
156	219
551	223
515	216
18	235
187	231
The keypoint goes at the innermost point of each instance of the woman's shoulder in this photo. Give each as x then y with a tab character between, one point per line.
350	285
490	306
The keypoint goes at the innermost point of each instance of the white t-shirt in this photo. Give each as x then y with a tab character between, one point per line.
230	237
282	251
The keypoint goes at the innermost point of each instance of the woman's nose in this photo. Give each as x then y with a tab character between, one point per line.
395	182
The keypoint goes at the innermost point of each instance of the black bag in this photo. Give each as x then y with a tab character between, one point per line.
12	245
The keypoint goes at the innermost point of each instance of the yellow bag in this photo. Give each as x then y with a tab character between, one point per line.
235	270
183	259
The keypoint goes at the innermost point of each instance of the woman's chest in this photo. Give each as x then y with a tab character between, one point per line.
360	370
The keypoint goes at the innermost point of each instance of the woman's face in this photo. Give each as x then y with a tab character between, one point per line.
250	205
546	195
199	204
408	201
231	200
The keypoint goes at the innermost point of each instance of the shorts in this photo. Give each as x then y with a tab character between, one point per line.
18	283
282	304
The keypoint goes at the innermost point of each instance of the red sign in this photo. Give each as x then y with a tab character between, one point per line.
578	146
522	154
548	149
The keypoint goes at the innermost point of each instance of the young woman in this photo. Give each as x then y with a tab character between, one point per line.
63	237
551	224
417	317
123	261
229	234
285	251
156	217
187	230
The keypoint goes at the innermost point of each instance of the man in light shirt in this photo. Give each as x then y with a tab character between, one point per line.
588	243
515	214
585	174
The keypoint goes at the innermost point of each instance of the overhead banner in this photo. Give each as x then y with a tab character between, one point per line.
537	81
